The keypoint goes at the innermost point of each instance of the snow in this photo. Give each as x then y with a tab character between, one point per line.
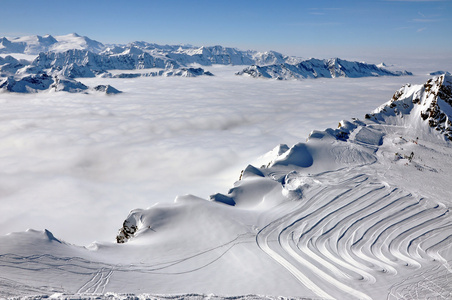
345	213
33	45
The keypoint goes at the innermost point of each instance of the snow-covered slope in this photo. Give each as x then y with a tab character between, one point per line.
10	65
316	68
357	212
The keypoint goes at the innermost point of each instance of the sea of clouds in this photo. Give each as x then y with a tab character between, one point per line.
76	164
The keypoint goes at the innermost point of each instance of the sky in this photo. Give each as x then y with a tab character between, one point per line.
295	27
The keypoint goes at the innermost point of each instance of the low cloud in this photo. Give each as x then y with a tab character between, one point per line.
77	164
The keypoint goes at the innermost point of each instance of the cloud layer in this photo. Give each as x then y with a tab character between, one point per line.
77	164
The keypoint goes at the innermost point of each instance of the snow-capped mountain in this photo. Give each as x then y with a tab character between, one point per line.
75	56
135	58
82	63
35	83
316	68
36	44
182	54
44	82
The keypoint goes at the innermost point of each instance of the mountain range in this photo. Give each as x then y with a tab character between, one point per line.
317	68
74	56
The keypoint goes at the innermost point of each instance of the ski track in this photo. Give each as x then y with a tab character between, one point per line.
99	273
342	235
98	282
357	229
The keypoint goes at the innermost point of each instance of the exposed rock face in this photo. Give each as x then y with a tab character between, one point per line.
316	68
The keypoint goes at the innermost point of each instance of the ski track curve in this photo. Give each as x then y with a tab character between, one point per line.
98	282
355	229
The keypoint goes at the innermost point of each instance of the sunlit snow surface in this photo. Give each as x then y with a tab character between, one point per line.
76	164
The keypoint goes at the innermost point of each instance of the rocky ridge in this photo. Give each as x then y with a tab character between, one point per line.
317	68
430	103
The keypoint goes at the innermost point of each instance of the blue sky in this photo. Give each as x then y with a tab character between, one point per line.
293	27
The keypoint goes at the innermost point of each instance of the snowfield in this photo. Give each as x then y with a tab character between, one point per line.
170	189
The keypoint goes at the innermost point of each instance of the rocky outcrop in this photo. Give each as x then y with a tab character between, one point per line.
107	89
430	103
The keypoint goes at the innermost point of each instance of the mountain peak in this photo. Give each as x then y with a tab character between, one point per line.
430	103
